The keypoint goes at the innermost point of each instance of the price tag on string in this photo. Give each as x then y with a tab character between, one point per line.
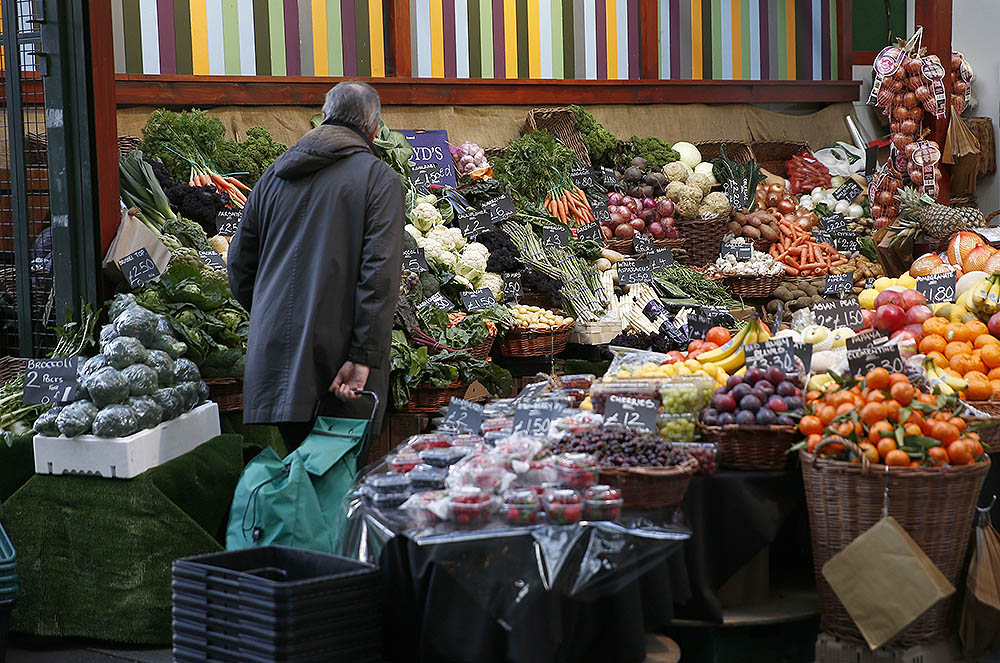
638	413
500	208
869	283
837	284
773	352
590	232
736	192
478	300
512	288
50	381
582	177
138	268
534	417
227	222
742	252
642	243
634	271
555	237
937	288
438	301
464	416
475	222
415	261
698	324
213	259
862	360
833	223
839	313
848	191
660	258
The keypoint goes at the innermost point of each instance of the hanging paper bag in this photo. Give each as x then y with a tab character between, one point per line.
979	628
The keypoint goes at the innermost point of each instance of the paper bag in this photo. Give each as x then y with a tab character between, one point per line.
962	150
885	581
133	235
895	259
980	624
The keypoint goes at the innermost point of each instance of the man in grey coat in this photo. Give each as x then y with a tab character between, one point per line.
316	262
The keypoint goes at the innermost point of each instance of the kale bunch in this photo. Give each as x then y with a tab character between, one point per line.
160	172
201	204
546	285
503	253
656	152
602	145
251	156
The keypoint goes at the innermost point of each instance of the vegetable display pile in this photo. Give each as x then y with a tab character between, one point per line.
604	148
534	164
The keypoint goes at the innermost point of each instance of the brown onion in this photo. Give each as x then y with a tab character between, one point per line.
960	87
785	206
900	113
909	127
910	100
901	141
877	210
923	93
776	188
883	198
916	114
956	60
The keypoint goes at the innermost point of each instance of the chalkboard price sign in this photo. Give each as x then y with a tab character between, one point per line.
475	222
138	268
601	213
634	271
415	261
742	252
512	289
228	221
438	301
833	223
464	416
937	288
424	175
660	258
50	380
868	339
500	208
631	412
862	360
583	177
534	417
478	300
845	241
642	243
213	259
590	232
848	191
773	352
608	178
837	284
698	324
822	236
555	237
736	191
839	313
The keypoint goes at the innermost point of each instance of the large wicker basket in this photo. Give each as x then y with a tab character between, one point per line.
11	367
737	150
227	393
703	238
559	122
482	351
934	505
651	487
771	155
752	287
535	344
625	246
426	399
751	448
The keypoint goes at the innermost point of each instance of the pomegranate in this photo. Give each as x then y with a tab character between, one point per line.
889	317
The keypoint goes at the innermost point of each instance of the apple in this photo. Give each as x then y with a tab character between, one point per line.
889	297
915	315
994	324
907	342
889	317
868	315
911	298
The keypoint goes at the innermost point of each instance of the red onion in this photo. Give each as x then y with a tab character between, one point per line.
614	198
631	203
665	207
648	203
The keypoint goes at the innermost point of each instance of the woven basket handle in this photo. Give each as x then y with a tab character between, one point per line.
850	446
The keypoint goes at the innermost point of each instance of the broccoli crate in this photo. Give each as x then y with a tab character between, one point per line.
127	457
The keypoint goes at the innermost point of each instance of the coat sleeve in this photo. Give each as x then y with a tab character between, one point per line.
244	253
378	280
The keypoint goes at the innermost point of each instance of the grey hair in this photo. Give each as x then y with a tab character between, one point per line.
354	103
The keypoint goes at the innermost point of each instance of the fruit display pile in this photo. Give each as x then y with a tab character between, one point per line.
761	396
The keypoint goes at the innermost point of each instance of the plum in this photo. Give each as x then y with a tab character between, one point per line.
766	417
745	418
740	390
777	404
785	420
786	388
724	402
750	402
753	375
726	418
774	374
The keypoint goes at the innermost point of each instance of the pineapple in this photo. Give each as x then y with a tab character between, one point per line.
936	221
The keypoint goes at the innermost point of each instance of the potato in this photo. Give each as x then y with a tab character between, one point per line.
751	232
769	233
772	306
803	301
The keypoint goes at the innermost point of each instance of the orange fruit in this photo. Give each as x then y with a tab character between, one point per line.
977	257
925	264
979	328
832	449
964	363
844	428
959	453
979	388
912	429
939	359
892	409
957	331
975	447
877	378
902	393
844	408
897	377
876	396
936	325
957	347
897	457
878	430
869	450
995	386
812	396
812	441
718	335
930	399
885	445
932	343
959	423
961	244
810	425
826	414
984	340
990	354
937	456
944	432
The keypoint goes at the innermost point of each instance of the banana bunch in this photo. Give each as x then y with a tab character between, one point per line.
943	382
732	356
985	298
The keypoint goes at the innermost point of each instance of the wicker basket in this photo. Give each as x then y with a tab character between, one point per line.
11	367
752	287
703	238
539	299
934	505
625	247
991	407
559	122
751	447
426	399
227	393
988	429
737	150
535	344
128	144
771	155
482	351
651	487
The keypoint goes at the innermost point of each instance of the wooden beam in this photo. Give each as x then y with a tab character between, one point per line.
102	71
399	37
863	58
845	39
649	40
206	91
935	16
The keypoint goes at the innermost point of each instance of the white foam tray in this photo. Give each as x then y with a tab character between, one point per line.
127	457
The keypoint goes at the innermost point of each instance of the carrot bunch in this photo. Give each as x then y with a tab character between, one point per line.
800	254
569	205
202	176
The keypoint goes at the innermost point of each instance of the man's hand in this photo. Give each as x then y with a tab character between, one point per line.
349	378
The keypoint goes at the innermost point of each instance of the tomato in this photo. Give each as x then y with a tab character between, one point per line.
718	335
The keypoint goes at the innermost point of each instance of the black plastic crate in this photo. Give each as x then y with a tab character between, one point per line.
230	624
187	653
335	639
364	609
5	609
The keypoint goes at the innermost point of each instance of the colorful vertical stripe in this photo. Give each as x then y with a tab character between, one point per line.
263	37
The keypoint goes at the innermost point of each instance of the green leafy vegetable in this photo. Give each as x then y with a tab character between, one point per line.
603	146
656	152
533	164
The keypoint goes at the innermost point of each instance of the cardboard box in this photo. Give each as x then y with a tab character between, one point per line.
833	650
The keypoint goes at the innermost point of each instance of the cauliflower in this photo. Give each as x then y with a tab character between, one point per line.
717	203
677	171
442	236
692	193
457	238
703	182
414	232
425	217
492	281
687	208
673	191
472	264
433	250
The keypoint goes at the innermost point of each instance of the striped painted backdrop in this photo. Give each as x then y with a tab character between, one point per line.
584	39
250	37
748	39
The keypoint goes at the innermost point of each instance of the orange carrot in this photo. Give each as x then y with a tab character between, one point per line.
239	185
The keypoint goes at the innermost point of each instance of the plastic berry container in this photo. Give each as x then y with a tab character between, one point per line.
443	456
579	381
563	506
498	425
466	440
687	394
429	441
387	484
403	461
521	506
602	503
390	500
501	407
427	477
645	389
469	505
676	427
576	470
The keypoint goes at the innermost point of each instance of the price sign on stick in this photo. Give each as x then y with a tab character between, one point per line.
555	237
424	175
228	221
866	340
475	222
500	208
742	252
583	177
834	223
415	261
464	416
839	313
634	271
512	288
773	352
848	191
608	178
601	215
937	288
660	258
438	301
50	380
478	300
213	259
822	236
138	268
839	283
642	243
533	418
863	360
631	412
